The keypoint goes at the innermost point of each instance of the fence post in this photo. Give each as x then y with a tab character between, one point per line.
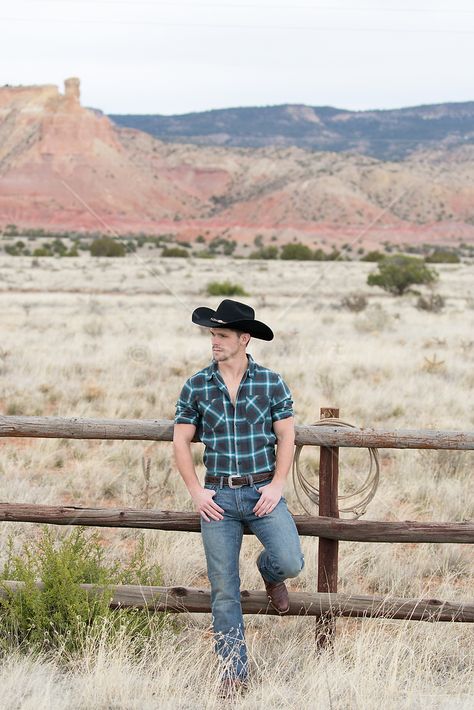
327	549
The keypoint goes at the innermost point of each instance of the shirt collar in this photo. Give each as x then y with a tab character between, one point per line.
213	367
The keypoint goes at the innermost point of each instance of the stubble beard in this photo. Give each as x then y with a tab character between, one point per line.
224	355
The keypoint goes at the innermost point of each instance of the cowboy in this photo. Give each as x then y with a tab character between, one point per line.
240	410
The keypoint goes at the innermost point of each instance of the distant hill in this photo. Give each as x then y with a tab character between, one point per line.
383	134
63	166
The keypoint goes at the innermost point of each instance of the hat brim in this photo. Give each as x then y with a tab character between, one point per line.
202	316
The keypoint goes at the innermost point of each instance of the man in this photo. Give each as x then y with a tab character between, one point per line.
240	409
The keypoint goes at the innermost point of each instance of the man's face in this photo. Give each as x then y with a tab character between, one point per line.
226	343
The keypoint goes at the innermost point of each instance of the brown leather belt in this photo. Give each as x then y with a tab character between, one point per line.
238	481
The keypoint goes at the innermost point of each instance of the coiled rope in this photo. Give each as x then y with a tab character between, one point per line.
354	503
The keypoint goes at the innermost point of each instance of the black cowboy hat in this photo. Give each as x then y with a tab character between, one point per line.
233	315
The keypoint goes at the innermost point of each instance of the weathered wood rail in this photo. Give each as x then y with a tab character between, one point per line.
326	604
162	430
191	599
311	526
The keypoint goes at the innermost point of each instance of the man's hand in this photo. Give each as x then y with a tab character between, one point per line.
202	498
269	498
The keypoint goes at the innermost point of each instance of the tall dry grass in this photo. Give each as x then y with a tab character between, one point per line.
106	338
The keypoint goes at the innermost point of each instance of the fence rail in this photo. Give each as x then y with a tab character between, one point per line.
326	604
162	430
192	599
311	526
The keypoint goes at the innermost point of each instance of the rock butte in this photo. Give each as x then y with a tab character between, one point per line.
63	166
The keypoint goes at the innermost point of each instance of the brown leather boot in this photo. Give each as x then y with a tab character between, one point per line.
278	596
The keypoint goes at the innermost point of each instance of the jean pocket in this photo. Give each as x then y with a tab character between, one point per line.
211	486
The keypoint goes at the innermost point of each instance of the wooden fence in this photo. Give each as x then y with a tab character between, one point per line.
326	604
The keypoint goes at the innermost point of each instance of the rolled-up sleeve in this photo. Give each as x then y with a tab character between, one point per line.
187	411
282	402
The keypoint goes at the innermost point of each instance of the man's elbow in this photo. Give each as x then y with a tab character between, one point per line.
183	434
285	429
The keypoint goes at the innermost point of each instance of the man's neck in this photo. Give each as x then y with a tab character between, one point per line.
235	368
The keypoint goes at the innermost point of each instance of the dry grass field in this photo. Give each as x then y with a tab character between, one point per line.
113	338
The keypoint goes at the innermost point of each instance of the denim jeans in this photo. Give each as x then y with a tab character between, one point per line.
281	558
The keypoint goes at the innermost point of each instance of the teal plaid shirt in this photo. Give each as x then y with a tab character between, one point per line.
239	440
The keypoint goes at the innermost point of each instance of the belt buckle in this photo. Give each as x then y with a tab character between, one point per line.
232	485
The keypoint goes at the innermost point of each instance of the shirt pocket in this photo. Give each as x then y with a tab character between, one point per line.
257	408
213	414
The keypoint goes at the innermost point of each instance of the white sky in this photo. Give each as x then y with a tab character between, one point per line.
148	56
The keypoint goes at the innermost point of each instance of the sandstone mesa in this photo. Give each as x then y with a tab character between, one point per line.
63	166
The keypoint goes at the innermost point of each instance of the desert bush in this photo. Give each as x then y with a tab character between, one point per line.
320	255
62	614
442	256
106	246
12	250
221	245
398	272
225	288
296	251
42	251
11	230
354	302
373	256
269	252
433	303
175	251
131	246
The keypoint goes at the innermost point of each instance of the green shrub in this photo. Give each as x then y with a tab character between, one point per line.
270	252
63	614
174	251
319	255
12	250
130	246
442	256
373	256
42	251
59	247
106	246
297	251
398	272
221	245
225	288
17	249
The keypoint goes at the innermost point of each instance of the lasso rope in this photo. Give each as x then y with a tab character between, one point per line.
360	499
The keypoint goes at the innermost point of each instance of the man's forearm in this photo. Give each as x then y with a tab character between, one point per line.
184	462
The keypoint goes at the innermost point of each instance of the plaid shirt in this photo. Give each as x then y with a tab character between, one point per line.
239	440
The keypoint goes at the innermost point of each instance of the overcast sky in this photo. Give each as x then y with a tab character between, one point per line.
145	56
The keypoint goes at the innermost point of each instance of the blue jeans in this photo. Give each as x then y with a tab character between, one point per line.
281	558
